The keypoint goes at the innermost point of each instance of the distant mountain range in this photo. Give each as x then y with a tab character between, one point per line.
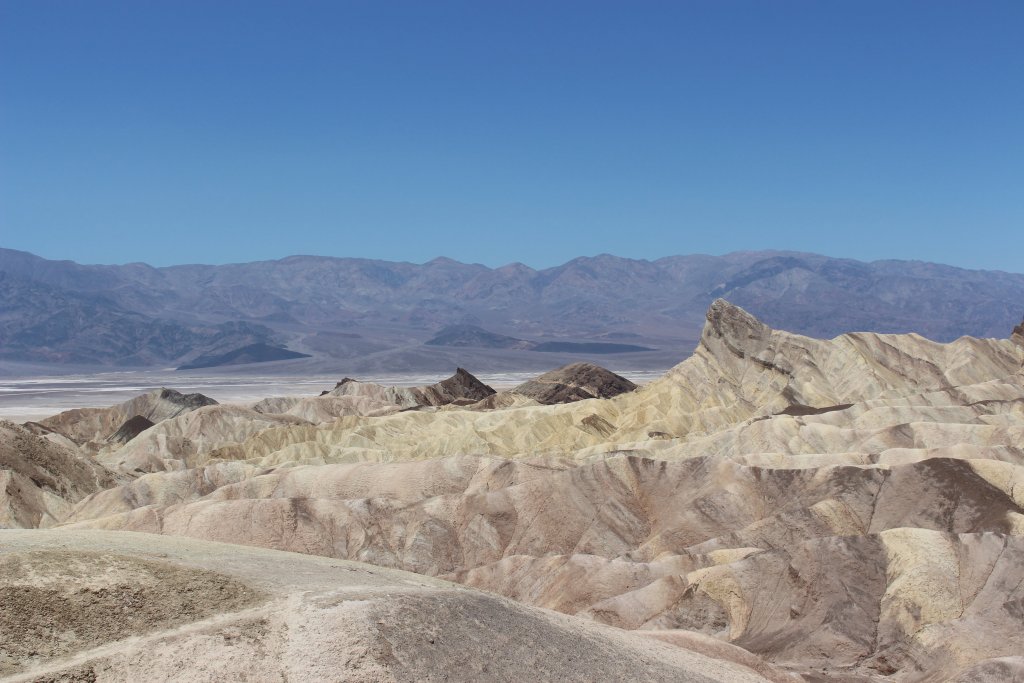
355	315
471	336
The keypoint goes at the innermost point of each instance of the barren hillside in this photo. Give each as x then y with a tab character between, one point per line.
848	508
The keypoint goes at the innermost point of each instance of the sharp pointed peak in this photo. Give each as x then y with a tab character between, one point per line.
722	311
729	324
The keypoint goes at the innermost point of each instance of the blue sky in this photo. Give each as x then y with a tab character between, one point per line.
493	132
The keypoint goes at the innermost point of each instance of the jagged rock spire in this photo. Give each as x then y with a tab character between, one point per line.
732	322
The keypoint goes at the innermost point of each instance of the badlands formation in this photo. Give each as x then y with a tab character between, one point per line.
775	507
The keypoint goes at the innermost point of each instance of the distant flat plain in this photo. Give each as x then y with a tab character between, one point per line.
33	397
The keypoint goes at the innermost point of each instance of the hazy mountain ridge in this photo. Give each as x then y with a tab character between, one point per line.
471	336
63	312
44	323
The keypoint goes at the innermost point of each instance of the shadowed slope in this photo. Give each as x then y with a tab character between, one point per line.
40	480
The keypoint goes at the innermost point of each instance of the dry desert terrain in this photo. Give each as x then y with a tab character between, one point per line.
776	507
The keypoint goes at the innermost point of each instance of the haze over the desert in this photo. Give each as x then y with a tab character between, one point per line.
567	341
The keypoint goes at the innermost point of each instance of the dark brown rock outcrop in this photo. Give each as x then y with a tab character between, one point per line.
186	401
131	429
460	387
575	382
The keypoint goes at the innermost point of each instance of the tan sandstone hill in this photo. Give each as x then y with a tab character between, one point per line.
85	425
354	398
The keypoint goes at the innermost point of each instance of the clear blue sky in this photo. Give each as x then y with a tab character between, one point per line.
487	131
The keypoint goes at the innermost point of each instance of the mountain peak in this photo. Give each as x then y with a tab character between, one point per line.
462	387
728	320
443	261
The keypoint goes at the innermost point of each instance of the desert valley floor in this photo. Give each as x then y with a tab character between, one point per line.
775	507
